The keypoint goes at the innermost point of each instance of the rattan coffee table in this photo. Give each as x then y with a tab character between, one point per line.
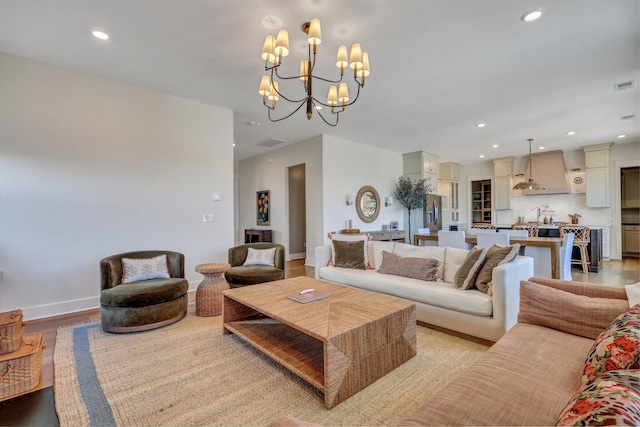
339	344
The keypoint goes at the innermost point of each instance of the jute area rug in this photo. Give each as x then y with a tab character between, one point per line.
189	374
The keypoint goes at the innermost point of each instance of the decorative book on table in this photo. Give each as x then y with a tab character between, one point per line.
308	297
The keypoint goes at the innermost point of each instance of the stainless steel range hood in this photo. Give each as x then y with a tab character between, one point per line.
549	169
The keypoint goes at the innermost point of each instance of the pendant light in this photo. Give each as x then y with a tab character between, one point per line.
531	184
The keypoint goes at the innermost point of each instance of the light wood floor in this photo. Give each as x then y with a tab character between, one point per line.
614	273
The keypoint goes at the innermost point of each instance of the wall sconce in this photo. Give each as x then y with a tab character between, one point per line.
388	201
349	200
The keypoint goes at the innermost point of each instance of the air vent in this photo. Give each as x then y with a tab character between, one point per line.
624	85
271	142
628	117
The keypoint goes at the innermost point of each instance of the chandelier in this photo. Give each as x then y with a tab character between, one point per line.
531	184
276	48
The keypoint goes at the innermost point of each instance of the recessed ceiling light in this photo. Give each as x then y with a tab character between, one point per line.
481	156
571	133
100	35
254	123
541	148
622	136
495	146
531	15
481	125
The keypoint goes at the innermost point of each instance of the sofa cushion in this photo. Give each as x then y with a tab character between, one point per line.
349	238
252	274
376	247
465	277
260	257
144	293
454	257
417	268
617	347
439	294
575	314
612	399
497	255
432	252
349	254
136	269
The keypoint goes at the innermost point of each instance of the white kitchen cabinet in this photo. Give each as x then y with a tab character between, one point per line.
597	175
422	165
503	191
448	185
606	243
631	239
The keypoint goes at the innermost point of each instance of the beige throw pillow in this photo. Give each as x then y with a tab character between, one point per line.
497	255
416	268
261	257
136	269
349	254
465	277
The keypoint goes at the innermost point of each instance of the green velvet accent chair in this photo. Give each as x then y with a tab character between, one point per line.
243	275
146	304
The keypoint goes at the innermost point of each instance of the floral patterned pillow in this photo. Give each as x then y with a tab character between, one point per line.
612	399
617	347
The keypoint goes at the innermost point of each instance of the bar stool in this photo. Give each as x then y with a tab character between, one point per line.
581	240
527	227
483	226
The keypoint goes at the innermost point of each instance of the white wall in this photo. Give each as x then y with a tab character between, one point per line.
91	168
269	172
348	166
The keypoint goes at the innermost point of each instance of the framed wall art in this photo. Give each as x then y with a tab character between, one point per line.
262	208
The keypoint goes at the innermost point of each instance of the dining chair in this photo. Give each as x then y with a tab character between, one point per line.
452	239
515	233
565	256
581	240
486	239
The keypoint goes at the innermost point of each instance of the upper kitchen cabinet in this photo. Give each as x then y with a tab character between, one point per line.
448	185
630	182
597	175
503	171
422	165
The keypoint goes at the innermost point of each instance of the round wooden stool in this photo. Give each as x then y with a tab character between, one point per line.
209	292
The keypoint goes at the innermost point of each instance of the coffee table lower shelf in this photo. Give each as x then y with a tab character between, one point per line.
301	354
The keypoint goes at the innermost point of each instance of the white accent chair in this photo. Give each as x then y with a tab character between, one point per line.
452	239
487	239
565	256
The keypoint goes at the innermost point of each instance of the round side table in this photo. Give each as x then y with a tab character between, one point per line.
209	292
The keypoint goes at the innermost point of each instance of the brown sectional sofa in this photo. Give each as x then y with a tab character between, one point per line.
530	374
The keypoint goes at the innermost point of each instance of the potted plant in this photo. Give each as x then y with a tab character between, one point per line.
574	218
411	195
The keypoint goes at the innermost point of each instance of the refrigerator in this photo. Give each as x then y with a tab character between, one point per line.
432	213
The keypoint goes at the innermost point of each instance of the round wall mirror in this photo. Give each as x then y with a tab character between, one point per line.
368	204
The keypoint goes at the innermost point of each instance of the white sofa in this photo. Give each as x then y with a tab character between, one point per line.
438	303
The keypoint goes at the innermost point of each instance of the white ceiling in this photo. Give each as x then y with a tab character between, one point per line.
438	67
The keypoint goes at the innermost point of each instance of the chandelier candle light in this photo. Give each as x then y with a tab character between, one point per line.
531	184
276	48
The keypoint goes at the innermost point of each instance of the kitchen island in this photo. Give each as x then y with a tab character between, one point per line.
553	243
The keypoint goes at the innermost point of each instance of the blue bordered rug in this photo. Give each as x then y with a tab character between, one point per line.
189	374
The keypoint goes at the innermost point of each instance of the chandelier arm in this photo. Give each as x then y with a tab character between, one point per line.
287	116
326	121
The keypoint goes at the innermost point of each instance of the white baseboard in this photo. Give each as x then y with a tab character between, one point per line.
297	256
73	306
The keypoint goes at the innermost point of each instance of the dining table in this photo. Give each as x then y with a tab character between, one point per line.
553	243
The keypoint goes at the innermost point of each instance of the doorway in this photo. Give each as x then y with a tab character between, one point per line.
296	179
